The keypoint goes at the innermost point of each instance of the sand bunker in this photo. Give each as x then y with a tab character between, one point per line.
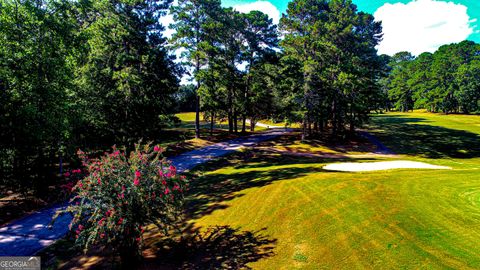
382	165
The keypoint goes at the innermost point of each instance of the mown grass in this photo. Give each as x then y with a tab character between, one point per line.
188	122
283	211
388	219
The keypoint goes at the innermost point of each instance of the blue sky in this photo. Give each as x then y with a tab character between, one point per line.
409	25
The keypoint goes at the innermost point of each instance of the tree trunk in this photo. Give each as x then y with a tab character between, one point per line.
244	123
235	120
197	114
304	127
212	119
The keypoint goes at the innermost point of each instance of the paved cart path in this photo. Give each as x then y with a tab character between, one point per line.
28	235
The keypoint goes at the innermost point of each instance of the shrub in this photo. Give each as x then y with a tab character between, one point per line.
121	195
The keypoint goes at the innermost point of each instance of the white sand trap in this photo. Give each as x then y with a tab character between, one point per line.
382	165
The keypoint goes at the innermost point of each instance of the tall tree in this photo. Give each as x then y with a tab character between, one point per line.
36	74
127	77
261	37
335	46
193	20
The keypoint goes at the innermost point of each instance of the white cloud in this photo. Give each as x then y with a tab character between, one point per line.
167	20
263	6
422	26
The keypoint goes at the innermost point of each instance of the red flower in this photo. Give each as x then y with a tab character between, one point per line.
120	221
173	170
156	148
99	182
167	191
102	235
136	182
137	174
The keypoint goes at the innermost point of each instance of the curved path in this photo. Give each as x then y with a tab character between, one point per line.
28	235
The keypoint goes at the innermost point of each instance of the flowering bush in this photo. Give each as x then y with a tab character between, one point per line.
121	195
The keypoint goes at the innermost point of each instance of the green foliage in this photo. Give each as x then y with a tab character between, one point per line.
445	81
122	194
72	73
36	74
126	80
334	46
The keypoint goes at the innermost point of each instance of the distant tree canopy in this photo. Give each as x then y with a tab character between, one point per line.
446	81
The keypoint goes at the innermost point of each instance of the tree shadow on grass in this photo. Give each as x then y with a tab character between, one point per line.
414	136
217	247
322	140
212	192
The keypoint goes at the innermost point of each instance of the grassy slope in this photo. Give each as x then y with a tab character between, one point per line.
390	219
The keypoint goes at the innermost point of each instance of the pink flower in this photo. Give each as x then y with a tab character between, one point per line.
80	227
137	174
173	170
123	188
136	181
102	235
156	148
67	174
99	182
121	196
80	184
167	190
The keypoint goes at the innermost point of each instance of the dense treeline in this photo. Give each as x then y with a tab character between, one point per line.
324	72
446	81
78	74
95	73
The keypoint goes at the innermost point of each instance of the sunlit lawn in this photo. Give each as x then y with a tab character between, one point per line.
282	211
390	219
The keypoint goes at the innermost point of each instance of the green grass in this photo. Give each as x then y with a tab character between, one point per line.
280	211
388	219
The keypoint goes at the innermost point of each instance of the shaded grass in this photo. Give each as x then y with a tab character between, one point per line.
267	210
393	219
429	135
